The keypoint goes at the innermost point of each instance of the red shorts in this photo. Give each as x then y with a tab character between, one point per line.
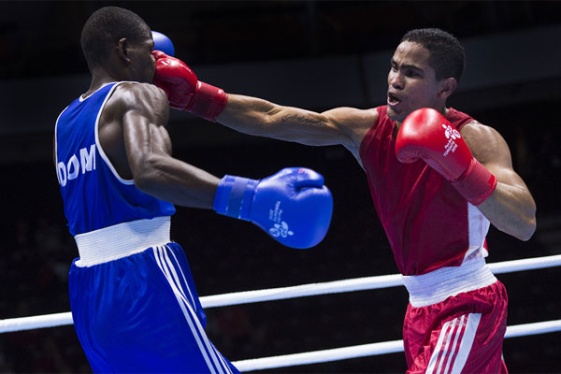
462	334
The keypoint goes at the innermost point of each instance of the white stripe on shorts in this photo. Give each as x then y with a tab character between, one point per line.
214	363
454	344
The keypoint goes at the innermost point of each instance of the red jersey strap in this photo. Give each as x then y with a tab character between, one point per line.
458	118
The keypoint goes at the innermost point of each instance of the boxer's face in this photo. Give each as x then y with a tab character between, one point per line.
142	62
412	82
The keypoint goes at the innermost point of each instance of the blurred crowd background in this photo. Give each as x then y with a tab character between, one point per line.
228	255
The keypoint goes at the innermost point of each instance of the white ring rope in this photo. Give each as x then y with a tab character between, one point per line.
373	349
349	285
316	357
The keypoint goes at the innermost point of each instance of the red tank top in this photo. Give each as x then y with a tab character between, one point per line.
428	223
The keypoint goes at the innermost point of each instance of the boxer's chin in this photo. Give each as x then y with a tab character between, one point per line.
393	115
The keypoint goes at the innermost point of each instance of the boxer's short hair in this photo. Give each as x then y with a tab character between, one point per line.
447	55
105	27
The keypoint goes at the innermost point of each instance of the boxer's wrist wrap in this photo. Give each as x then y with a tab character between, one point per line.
234	195
209	101
476	184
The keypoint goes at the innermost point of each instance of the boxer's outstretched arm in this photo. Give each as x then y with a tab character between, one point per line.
260	117
255	116
340	126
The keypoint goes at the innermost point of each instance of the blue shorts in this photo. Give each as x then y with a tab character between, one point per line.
141	313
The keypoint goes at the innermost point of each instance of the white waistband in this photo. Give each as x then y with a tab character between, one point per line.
121	240
436	286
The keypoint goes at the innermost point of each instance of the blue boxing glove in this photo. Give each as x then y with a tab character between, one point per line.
293	206
163	43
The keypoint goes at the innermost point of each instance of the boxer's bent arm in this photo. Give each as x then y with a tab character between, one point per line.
149	154
511	207
259	117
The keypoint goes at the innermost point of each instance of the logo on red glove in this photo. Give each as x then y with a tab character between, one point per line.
451	134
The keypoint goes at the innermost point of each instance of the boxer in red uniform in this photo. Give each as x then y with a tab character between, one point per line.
438	179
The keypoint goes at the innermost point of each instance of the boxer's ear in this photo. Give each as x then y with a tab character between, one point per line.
448	86
122	48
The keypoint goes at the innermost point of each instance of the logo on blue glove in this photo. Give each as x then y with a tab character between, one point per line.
280	228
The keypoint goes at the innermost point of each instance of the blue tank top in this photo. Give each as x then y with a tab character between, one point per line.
94	195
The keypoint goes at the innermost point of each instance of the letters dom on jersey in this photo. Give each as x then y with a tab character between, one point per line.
76	165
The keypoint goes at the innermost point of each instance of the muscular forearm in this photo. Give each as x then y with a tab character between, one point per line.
259	117
512	210
249	115
177	182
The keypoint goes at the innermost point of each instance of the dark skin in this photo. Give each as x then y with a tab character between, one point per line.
133	134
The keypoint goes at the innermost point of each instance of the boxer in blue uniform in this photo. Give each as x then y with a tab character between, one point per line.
134	303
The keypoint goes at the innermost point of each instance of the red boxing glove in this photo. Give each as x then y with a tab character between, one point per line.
425	134
185	91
